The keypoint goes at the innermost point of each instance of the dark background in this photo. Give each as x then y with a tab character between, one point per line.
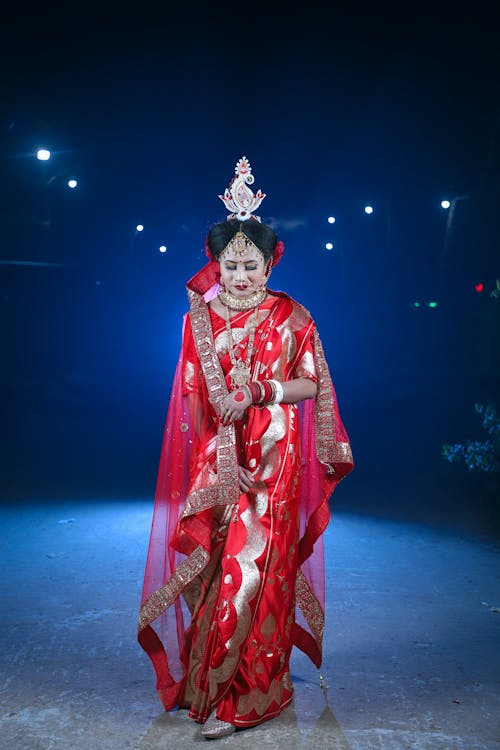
397	107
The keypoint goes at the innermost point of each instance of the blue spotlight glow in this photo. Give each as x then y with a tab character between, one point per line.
445	204
368	209
140	228
72	184
163	249
331	219
329	245
43	154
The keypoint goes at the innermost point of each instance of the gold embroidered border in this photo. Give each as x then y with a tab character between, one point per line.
200	500
310	607
227	464
162	599
204	342
325	417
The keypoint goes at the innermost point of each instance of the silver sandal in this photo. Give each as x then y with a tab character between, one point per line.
214	728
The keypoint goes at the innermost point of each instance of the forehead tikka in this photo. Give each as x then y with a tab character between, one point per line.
239	245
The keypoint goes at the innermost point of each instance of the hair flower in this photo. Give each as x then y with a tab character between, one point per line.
207	249
278	252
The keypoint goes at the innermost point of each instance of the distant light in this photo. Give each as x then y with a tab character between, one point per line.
163	249
432	304
139	227
416	304
331	219
329	245
479	287
445	204
368	209
98	283
72	184
43	154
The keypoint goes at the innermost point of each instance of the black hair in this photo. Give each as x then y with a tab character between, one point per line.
261	235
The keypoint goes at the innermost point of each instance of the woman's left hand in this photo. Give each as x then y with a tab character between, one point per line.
234	405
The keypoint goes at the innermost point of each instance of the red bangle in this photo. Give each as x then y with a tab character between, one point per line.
262	391
268	391
255	392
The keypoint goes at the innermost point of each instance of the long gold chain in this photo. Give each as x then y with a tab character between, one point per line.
241	370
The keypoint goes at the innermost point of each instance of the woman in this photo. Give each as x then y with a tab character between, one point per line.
253	448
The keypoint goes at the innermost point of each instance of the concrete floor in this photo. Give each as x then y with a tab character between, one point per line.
411	643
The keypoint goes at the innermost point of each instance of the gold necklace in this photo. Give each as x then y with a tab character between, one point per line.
235	303
240	372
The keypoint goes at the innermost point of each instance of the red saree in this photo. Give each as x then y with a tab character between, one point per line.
233	581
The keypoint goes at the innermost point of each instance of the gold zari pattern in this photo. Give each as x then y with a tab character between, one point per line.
259	702
329	451
196	502
165	597
227	465
310	607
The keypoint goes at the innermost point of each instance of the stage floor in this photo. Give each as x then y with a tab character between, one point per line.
411	653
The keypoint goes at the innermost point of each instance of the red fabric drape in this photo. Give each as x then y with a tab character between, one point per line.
197	485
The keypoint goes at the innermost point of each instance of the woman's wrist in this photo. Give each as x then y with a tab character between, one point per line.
278	388
264	392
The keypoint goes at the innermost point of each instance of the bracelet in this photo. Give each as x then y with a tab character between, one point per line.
268	391
278	391
255	392
262	391
272	396
265	391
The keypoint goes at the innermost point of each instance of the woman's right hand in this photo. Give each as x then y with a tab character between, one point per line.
246	479
234	405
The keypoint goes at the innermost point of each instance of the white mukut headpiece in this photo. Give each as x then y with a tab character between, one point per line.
238	198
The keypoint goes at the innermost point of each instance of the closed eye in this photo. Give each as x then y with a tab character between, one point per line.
247	268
